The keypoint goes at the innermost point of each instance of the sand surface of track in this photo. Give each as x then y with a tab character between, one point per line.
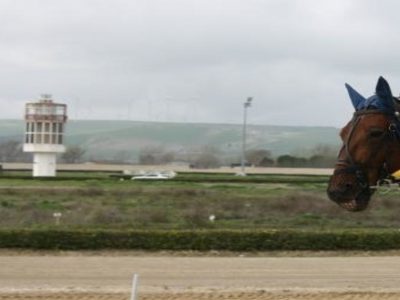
109	277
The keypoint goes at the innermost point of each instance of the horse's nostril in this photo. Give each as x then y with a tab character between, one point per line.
348	186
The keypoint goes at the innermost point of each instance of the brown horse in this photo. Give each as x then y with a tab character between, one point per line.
371	148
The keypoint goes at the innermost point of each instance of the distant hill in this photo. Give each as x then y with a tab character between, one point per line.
122	140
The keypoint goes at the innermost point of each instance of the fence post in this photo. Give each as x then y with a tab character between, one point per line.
135	281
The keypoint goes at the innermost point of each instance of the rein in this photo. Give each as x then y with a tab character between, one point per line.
349	166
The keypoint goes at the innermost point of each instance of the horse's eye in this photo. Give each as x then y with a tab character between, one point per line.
376	133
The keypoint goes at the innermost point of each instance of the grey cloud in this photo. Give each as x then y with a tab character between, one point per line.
197	61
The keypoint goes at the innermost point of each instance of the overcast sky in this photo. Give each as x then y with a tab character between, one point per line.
198	60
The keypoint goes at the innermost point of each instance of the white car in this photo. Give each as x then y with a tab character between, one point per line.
151	176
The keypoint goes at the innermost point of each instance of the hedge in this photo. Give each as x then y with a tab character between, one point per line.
202	240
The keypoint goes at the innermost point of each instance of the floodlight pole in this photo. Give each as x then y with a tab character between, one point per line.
246	105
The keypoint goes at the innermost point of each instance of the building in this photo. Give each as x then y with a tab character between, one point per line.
44	134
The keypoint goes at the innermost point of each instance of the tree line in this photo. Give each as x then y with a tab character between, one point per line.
322	156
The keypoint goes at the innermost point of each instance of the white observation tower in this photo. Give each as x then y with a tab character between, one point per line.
44	134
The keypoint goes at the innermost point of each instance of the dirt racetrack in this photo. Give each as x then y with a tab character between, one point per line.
78	276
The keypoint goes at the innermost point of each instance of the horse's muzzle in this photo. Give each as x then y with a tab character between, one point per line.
349	196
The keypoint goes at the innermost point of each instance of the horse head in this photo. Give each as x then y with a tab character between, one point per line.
371	148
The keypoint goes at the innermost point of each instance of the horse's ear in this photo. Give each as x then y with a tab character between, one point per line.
383	91
355	97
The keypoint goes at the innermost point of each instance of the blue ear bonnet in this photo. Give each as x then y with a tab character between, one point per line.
382	100
375	102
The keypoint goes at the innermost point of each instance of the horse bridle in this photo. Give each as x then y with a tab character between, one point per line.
349	166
